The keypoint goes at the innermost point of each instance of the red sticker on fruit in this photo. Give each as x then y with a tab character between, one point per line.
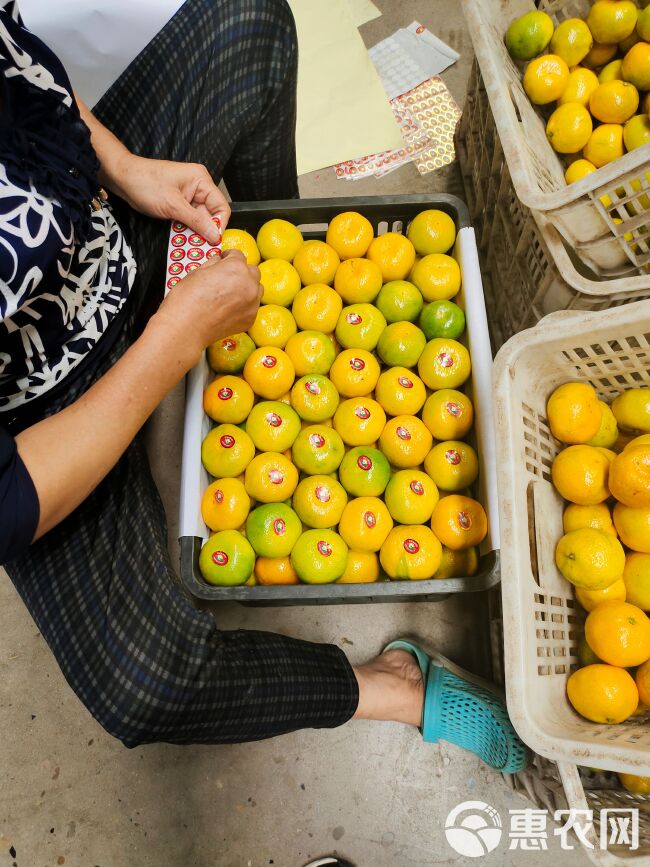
269	361
403	433
452	457
454	408
276	477
353	319
364	462
316	440
370	519
464	520
218	496
312	387
325	548
229	344
411	546
273	419
279	527
357	363
444	359
322	493
362	412
224	393
227	441
417	487
405	382
220	558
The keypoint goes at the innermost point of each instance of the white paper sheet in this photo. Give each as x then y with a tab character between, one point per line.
363	11
97	39
409	57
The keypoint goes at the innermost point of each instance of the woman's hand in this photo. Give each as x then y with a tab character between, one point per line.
173	191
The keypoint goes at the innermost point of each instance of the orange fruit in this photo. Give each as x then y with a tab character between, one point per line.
613	102
636	66
590	558
359	421
452	465
643	682
612	70
270	478
270	372
611	21
636	132
603	693
608	431
225	504
574	413
227	559
411	496
598	516
411	552
279	239
317	308
273	529
360	327
444	364
275	570
636	578
394	254
314	398
457	564
599	55
239	239
571	41
362	568
448	414
399	301
319	557
633	526
405	440
229	354
273	426
437	276
316	262
355	372
634	784
364	472
310	352
632	410
228	399
400	391
357	280
349	234
226	451
569	127
401	344
629	476
319	501
280	282
318	450
273	326
619	633
365	523
459	522
589	599
432	231
580	475
580	85
545	79
605	144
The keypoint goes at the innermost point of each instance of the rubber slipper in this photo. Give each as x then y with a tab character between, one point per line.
465	710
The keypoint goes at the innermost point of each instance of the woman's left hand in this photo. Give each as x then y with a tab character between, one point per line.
174	191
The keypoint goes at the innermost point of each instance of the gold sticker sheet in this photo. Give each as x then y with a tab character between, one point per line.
427	116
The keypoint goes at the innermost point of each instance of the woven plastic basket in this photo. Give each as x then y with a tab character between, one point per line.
527	270
610	350
537	173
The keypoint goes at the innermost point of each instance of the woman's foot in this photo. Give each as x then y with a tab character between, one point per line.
390	688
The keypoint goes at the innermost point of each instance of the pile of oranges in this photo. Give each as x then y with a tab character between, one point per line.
338	448
597	72
604	475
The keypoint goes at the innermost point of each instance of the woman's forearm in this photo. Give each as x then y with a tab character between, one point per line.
113	156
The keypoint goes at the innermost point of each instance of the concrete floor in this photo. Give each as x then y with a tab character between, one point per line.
371	792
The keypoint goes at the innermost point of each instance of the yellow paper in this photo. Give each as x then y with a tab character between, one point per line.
363	11
343	112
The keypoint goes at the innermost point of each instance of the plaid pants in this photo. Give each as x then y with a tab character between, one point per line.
217	85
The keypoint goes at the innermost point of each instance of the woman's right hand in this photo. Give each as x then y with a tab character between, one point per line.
219	298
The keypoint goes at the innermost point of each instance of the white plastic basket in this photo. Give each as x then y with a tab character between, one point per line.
537	173
527	270
611	350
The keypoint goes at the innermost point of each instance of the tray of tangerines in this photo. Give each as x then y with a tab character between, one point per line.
342	448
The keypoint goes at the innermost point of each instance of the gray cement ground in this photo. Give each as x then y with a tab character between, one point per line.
372	792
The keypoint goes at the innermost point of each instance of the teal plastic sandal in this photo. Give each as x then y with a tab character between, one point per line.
465	710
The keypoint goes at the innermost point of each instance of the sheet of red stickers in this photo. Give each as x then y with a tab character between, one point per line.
187	251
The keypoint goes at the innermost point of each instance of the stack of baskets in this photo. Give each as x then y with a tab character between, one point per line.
545	247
